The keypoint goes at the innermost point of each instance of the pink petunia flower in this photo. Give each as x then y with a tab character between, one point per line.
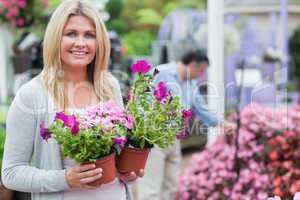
160	91
140	66
120	141
69	121
45	134
187	115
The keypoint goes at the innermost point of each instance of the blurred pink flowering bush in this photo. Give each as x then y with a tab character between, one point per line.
20	12
91	135
268	159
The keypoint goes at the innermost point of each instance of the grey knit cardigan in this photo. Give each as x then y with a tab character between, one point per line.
29	163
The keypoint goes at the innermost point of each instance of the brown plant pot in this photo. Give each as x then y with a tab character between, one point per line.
5	194
132	159
108	166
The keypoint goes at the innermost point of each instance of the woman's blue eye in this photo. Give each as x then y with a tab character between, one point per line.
89	35
72	34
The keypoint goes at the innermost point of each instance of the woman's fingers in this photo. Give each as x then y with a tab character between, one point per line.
82	168
89	173
90	179
88	187
131	176
80	175
141	173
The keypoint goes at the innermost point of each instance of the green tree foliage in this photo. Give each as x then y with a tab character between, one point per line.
115	22
138	42
114	8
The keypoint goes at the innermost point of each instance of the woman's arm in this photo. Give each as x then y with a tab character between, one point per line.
20	138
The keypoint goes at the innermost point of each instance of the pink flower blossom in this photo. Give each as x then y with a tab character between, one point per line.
69	121
120	141
12	12
160	91
45	134
187	115
21	3
6	4
141	66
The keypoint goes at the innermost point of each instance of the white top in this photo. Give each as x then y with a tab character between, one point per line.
114	190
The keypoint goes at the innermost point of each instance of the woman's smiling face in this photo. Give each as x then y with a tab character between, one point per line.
78	45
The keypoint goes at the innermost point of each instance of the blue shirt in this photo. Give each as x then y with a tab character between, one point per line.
188	91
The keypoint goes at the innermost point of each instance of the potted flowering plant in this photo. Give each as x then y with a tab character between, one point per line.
92	136
158	118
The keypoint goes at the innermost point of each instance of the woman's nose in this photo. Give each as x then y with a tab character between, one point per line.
80	41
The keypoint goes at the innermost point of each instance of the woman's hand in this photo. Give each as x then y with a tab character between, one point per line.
131	176
80	175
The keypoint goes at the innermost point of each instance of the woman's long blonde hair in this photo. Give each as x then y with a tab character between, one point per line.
52	74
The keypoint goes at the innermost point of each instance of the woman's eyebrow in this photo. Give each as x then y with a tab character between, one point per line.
89	31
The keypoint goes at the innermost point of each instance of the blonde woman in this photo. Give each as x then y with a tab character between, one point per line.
76	52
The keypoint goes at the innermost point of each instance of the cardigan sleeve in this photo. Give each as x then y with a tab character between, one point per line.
21	127
117	92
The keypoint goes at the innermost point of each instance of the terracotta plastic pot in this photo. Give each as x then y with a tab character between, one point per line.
108	165
132	159
5	194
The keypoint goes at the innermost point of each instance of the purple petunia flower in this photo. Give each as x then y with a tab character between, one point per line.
182	134
141	66
160	91
120	141
61	116
45	134
69	121
75	128
187	115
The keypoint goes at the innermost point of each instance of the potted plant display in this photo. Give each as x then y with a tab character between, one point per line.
92	136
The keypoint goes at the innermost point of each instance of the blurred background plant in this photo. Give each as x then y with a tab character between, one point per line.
2	138
268	159
21	13
138	21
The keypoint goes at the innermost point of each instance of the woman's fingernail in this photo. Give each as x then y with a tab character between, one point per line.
98	170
